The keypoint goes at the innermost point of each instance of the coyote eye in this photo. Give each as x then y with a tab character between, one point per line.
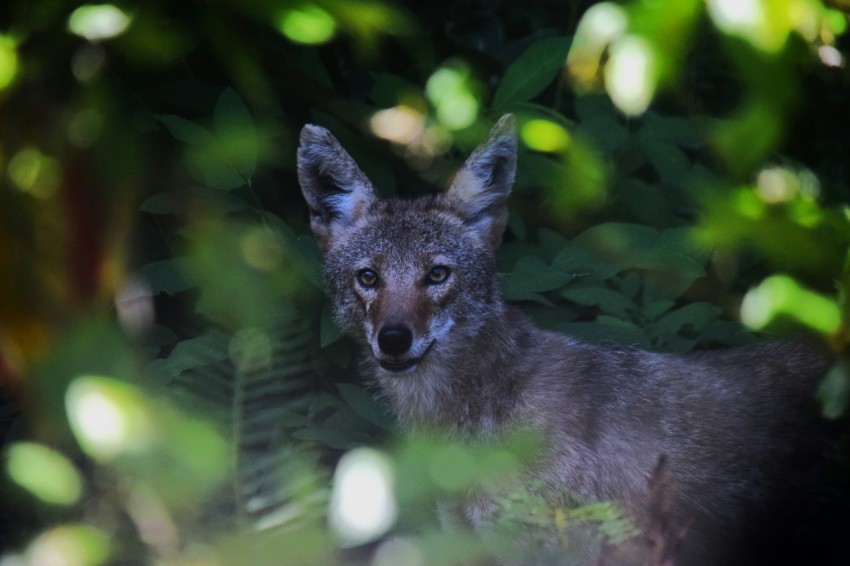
438	275
367	278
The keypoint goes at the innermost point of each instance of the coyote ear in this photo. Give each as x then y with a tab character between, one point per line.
482	185
336	190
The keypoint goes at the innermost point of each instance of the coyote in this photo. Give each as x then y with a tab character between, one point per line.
415	283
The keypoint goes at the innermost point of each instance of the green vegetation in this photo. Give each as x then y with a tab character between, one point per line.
172	388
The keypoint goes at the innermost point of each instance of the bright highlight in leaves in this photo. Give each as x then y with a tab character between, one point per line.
543	135
631	74
47	474
96	22
834	391
363	505
766	24
601	25
781	295
34	173
449	91
310	25
109	418
8	61
400	124
70	545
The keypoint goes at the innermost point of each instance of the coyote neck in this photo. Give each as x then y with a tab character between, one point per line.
475	388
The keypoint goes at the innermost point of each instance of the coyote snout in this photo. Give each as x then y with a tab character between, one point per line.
394	345
415	283
401	321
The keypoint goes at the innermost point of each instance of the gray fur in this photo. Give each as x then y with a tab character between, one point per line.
733	424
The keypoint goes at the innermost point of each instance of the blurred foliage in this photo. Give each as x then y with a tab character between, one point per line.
173	389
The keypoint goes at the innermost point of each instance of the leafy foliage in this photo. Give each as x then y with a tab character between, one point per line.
155	253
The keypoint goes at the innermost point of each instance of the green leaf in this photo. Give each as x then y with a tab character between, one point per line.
388	89
551	243
607	249
534	110
532	274
697	315
170	275
329	332
517	295
185	130
608	300
180	201
656	309
681	131
584	263
236	131
190	354
834	391
532	72
608	329
163	203
600	123
669	161
364	404
647	202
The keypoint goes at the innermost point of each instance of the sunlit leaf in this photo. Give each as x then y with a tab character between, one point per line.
71	545
97	22
450	90
543	135
8	61
309	24
363	505
781	295
631	75
47	474
109	418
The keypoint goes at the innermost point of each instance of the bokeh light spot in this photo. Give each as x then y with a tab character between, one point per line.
630	75
8	61
400	124
34	173
780	295
310	25
108	418
601	25
449	91
44	472
452	467
262	249
543	135
70	545
363	505
96	22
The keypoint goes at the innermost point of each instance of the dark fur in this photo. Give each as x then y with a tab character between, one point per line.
737	426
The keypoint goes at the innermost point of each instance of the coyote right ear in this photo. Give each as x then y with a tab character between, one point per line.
482	185
336	190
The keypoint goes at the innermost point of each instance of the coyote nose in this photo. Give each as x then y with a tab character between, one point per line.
395	340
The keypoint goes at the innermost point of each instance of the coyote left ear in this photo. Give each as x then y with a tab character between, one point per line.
336	190
482	185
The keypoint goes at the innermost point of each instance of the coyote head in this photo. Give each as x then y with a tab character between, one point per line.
409	277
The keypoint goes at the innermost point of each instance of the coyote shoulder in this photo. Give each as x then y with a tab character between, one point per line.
415	283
